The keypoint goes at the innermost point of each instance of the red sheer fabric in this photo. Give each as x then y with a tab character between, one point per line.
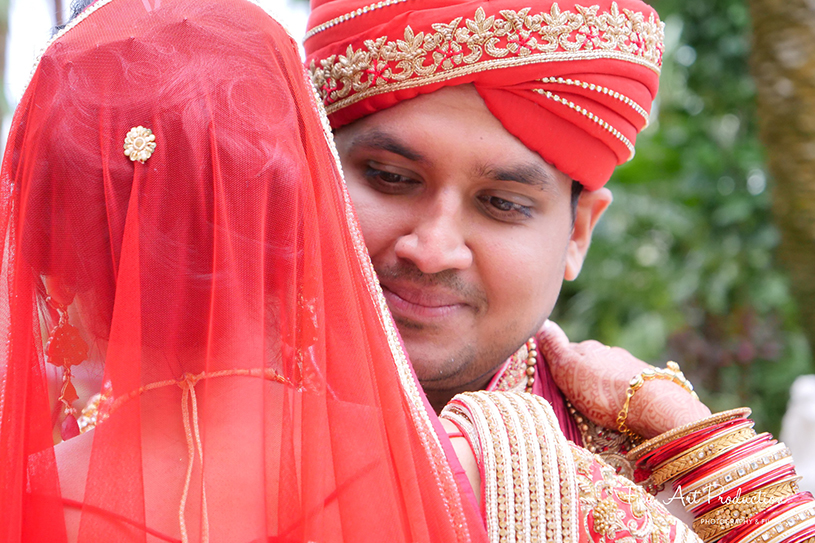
253	384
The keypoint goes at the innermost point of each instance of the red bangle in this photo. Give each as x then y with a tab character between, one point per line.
672	450
648	448
731	458
711	448
754	525
660	454
804	536
736	475
782	473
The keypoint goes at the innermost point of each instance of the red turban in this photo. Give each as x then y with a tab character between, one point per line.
573	81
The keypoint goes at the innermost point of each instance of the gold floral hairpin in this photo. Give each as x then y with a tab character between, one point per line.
140	143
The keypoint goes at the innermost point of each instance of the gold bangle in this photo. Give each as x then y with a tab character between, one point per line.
791	522
735	474
677	433
714	524
701	454
791	532
671	373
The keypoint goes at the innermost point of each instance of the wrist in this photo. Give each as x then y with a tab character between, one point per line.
657	400
663	406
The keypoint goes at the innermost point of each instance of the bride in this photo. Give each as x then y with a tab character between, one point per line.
175	226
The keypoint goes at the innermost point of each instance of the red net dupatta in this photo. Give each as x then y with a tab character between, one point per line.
177	238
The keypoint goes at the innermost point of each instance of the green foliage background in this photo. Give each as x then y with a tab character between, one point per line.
682	265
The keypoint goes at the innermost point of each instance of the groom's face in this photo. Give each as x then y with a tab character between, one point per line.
470	232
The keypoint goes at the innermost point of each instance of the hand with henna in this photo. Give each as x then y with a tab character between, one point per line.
595	377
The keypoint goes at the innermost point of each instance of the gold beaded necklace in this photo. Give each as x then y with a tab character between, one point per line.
531	362
518	373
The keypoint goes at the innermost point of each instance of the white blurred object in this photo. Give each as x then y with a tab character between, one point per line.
798	429
291	14
29	27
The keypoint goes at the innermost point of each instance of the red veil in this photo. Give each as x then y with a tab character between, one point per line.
253	387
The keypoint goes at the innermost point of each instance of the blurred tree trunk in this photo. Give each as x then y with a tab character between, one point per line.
783	63
58	13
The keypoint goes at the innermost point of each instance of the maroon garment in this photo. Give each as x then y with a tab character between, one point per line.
545	386
510	376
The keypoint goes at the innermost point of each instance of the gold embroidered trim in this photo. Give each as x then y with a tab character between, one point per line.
517	374
713	525
415	400
603	90
528	472
677	433
592	117
466	46
489	454
615	509
352	15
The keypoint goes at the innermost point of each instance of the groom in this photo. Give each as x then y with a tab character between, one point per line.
476	138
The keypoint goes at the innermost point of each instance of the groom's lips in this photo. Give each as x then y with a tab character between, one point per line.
422	303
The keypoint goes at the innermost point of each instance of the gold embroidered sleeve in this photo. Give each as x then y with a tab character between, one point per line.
610	445
527	470
612	508
537	486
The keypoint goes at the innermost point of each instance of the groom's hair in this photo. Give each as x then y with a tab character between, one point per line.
77	7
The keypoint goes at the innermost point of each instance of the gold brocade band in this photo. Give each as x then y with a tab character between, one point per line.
713	525
465	46
528	473
661	440
700	454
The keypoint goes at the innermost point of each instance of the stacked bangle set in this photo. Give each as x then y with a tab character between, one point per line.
740	487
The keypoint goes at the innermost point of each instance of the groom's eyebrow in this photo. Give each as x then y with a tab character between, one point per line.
525	173
383	141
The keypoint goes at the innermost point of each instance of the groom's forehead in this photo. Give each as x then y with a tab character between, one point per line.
441	131
573	82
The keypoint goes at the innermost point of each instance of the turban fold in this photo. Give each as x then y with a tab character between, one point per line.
574	81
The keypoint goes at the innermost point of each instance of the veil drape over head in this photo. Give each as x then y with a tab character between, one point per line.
176	237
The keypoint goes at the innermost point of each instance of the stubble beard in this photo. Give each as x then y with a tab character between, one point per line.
462	367
468	368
